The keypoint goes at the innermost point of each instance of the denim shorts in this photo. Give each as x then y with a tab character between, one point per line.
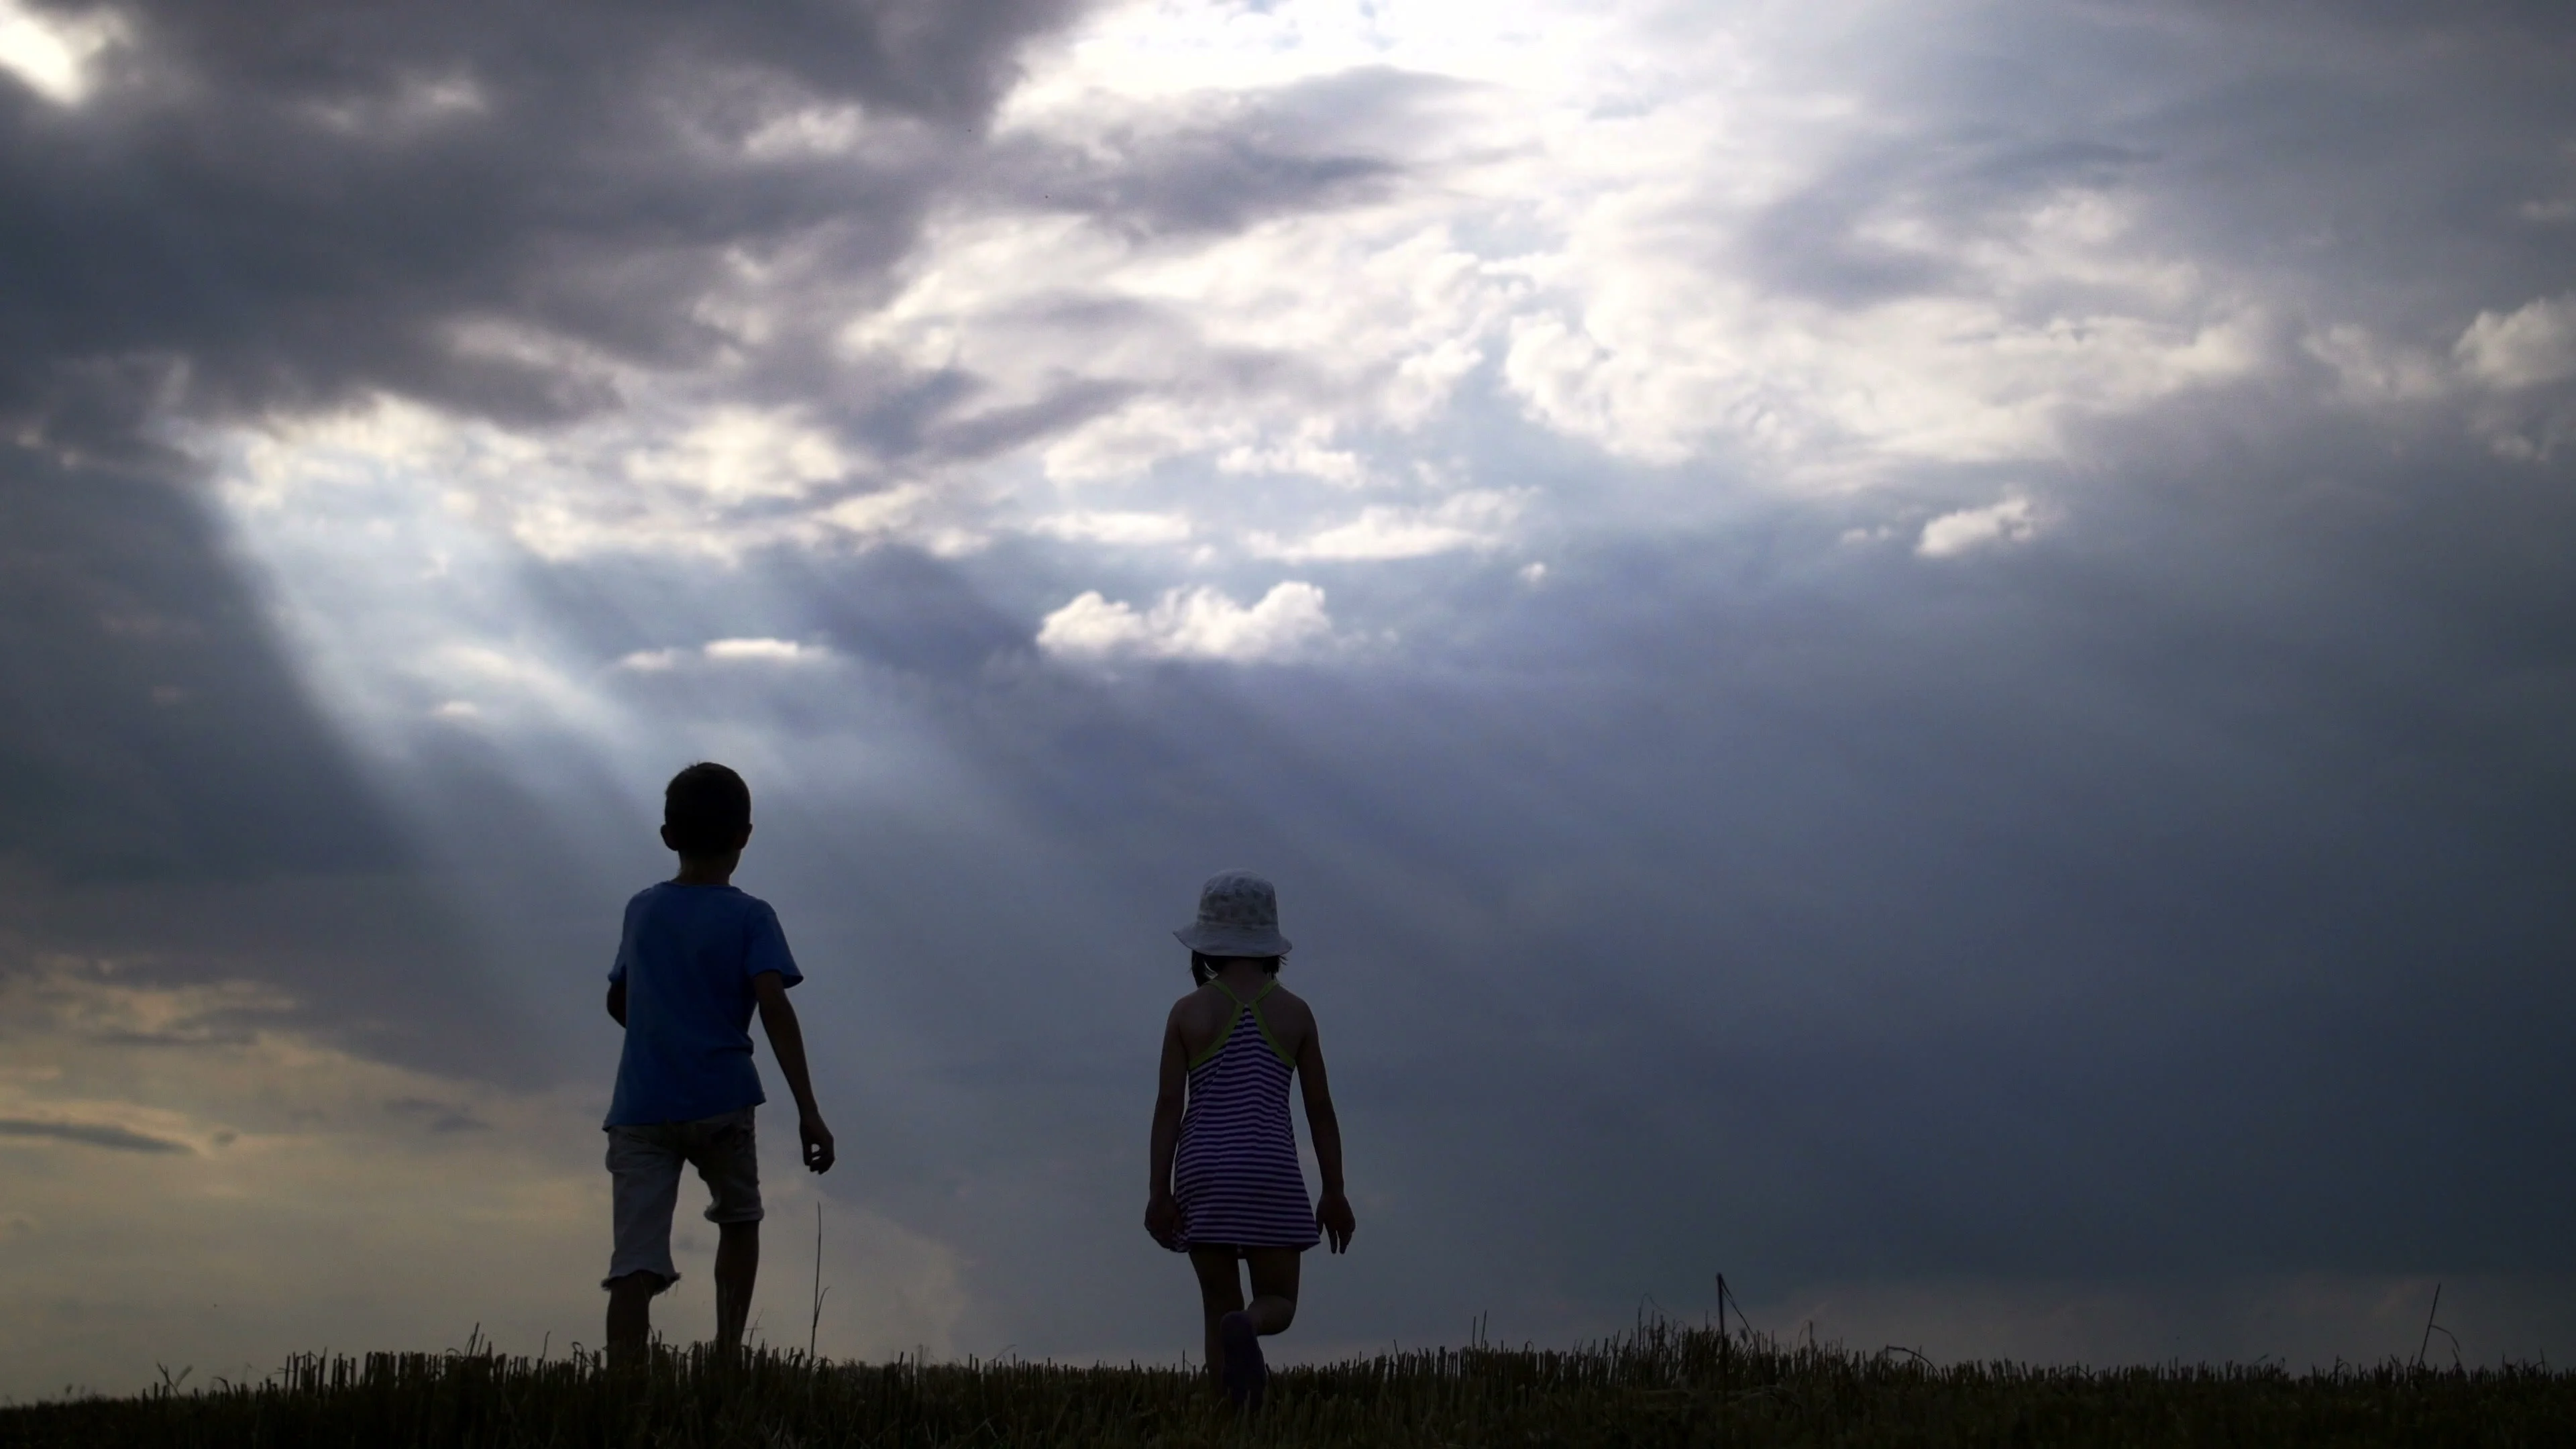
644	1168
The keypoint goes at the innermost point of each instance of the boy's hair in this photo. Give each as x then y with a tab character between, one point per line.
1203	969
706	807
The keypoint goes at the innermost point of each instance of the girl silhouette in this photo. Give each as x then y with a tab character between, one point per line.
1227	1186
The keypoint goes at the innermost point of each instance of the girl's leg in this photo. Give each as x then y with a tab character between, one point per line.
1220	1293
1274	1287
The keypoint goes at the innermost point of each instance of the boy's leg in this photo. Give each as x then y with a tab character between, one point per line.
630	1317
727	1156
644	1175
1274	1287
1220	1293
737	1268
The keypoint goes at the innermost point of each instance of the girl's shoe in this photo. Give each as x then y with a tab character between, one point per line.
1245	1374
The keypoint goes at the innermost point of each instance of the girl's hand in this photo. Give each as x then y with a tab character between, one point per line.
1333	1215
1163	1219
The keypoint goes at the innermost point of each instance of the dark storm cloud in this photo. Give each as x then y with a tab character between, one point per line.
1222	162
1819	241
2372	159
114	1139
147	725
2366	162
274	206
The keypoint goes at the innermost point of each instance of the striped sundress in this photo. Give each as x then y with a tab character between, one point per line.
1236	1175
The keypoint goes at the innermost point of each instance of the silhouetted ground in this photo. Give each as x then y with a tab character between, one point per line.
1663	1385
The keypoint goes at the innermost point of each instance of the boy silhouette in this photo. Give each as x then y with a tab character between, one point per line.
697	958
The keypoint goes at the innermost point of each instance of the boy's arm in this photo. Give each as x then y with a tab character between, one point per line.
1162	1214
1333	1212
787	1043
617	1001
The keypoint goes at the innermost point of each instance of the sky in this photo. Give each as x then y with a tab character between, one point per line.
1923	654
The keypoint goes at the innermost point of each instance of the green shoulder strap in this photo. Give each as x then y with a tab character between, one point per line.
1240	1007
1258	1020
1231	1022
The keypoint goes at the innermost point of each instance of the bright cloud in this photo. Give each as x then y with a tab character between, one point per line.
51	53
671	476
2528	347
1284	252
1128	529
1654	354
2013	520
1625	185
725	651
737	454
1474	520
766	651
1198	623
2518	362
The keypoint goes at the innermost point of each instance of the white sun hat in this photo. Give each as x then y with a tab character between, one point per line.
1238	916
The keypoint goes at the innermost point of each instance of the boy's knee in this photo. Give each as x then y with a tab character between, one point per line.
643	1283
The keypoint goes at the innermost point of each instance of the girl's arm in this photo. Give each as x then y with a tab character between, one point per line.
1162	1214
1333	1212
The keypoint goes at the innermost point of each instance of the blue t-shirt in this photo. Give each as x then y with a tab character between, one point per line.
687	959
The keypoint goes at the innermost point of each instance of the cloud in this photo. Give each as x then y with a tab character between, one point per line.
89	1134
159	732
526	223
733	455
725	651
1131	529
52	53
1474	520
439	1116
765	651
2012	520
673	480
1198	623
2375	373
2531	346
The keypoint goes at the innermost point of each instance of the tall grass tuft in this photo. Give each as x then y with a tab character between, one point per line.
1664	1384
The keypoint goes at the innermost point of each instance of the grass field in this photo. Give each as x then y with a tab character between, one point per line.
1662	1385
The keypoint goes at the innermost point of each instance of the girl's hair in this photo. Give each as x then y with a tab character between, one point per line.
1203	969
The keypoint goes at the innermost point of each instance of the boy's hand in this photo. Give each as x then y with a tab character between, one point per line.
1333	1215
817	1141
1163	1218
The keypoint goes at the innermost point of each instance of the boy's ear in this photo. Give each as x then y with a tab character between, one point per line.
667	842
744	838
